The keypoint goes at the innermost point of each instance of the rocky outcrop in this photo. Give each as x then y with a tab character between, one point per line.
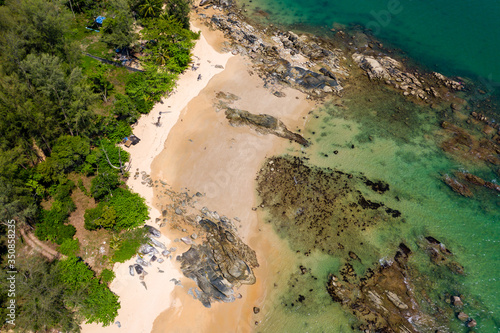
476	180
218	3
218	265
440	255
383	300
284	57
320	209
263	123
463	145
392	72
457	186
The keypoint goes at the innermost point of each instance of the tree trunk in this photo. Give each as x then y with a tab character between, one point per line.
71	6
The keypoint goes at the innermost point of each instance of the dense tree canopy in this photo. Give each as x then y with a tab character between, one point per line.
118	27
61	115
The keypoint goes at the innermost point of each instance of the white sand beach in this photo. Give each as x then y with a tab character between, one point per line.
141	306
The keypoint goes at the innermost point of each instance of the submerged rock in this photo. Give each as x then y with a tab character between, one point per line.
464	146
458	187
384	300
315	207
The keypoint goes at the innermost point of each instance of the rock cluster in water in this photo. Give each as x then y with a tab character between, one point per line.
318	208
304	62
467	147
390	298
394	73
383	300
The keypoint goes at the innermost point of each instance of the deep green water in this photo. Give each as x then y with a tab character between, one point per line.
397	141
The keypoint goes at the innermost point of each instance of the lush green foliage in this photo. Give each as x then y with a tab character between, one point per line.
82	187
75	274
145	89
128	244
98	304
102	216
53	225
41	299
179	11
34	26
107	275
170	43
61	113
118	26
70	247
104	184
131	210
125	109
99	81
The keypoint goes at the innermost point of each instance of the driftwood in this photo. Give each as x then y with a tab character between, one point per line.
122	168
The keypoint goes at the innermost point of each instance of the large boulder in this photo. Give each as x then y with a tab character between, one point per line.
221	263
153	231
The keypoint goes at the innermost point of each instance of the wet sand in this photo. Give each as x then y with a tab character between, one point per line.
204	153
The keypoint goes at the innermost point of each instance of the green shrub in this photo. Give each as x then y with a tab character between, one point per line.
102	216
51	224
69	152
114	154
117	130
131	209
147	88
129	244
101	305
52	227
96	302
104	184
107	276
75	274
125	109
70	247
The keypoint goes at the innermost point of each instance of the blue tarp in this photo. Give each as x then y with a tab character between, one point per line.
99	19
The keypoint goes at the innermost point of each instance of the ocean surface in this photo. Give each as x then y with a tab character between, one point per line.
452	37
380	135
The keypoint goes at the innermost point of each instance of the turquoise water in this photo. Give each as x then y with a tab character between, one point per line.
453	37
409	160
370	141
397	141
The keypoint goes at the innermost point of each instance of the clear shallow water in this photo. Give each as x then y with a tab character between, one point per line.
405	154
397	141
453	37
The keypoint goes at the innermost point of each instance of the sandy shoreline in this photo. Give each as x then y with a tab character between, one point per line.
140	306
195	148
204	153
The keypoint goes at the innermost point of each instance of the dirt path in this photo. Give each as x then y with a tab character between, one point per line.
40	247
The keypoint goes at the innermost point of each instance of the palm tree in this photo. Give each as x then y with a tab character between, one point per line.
161	56
150	8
